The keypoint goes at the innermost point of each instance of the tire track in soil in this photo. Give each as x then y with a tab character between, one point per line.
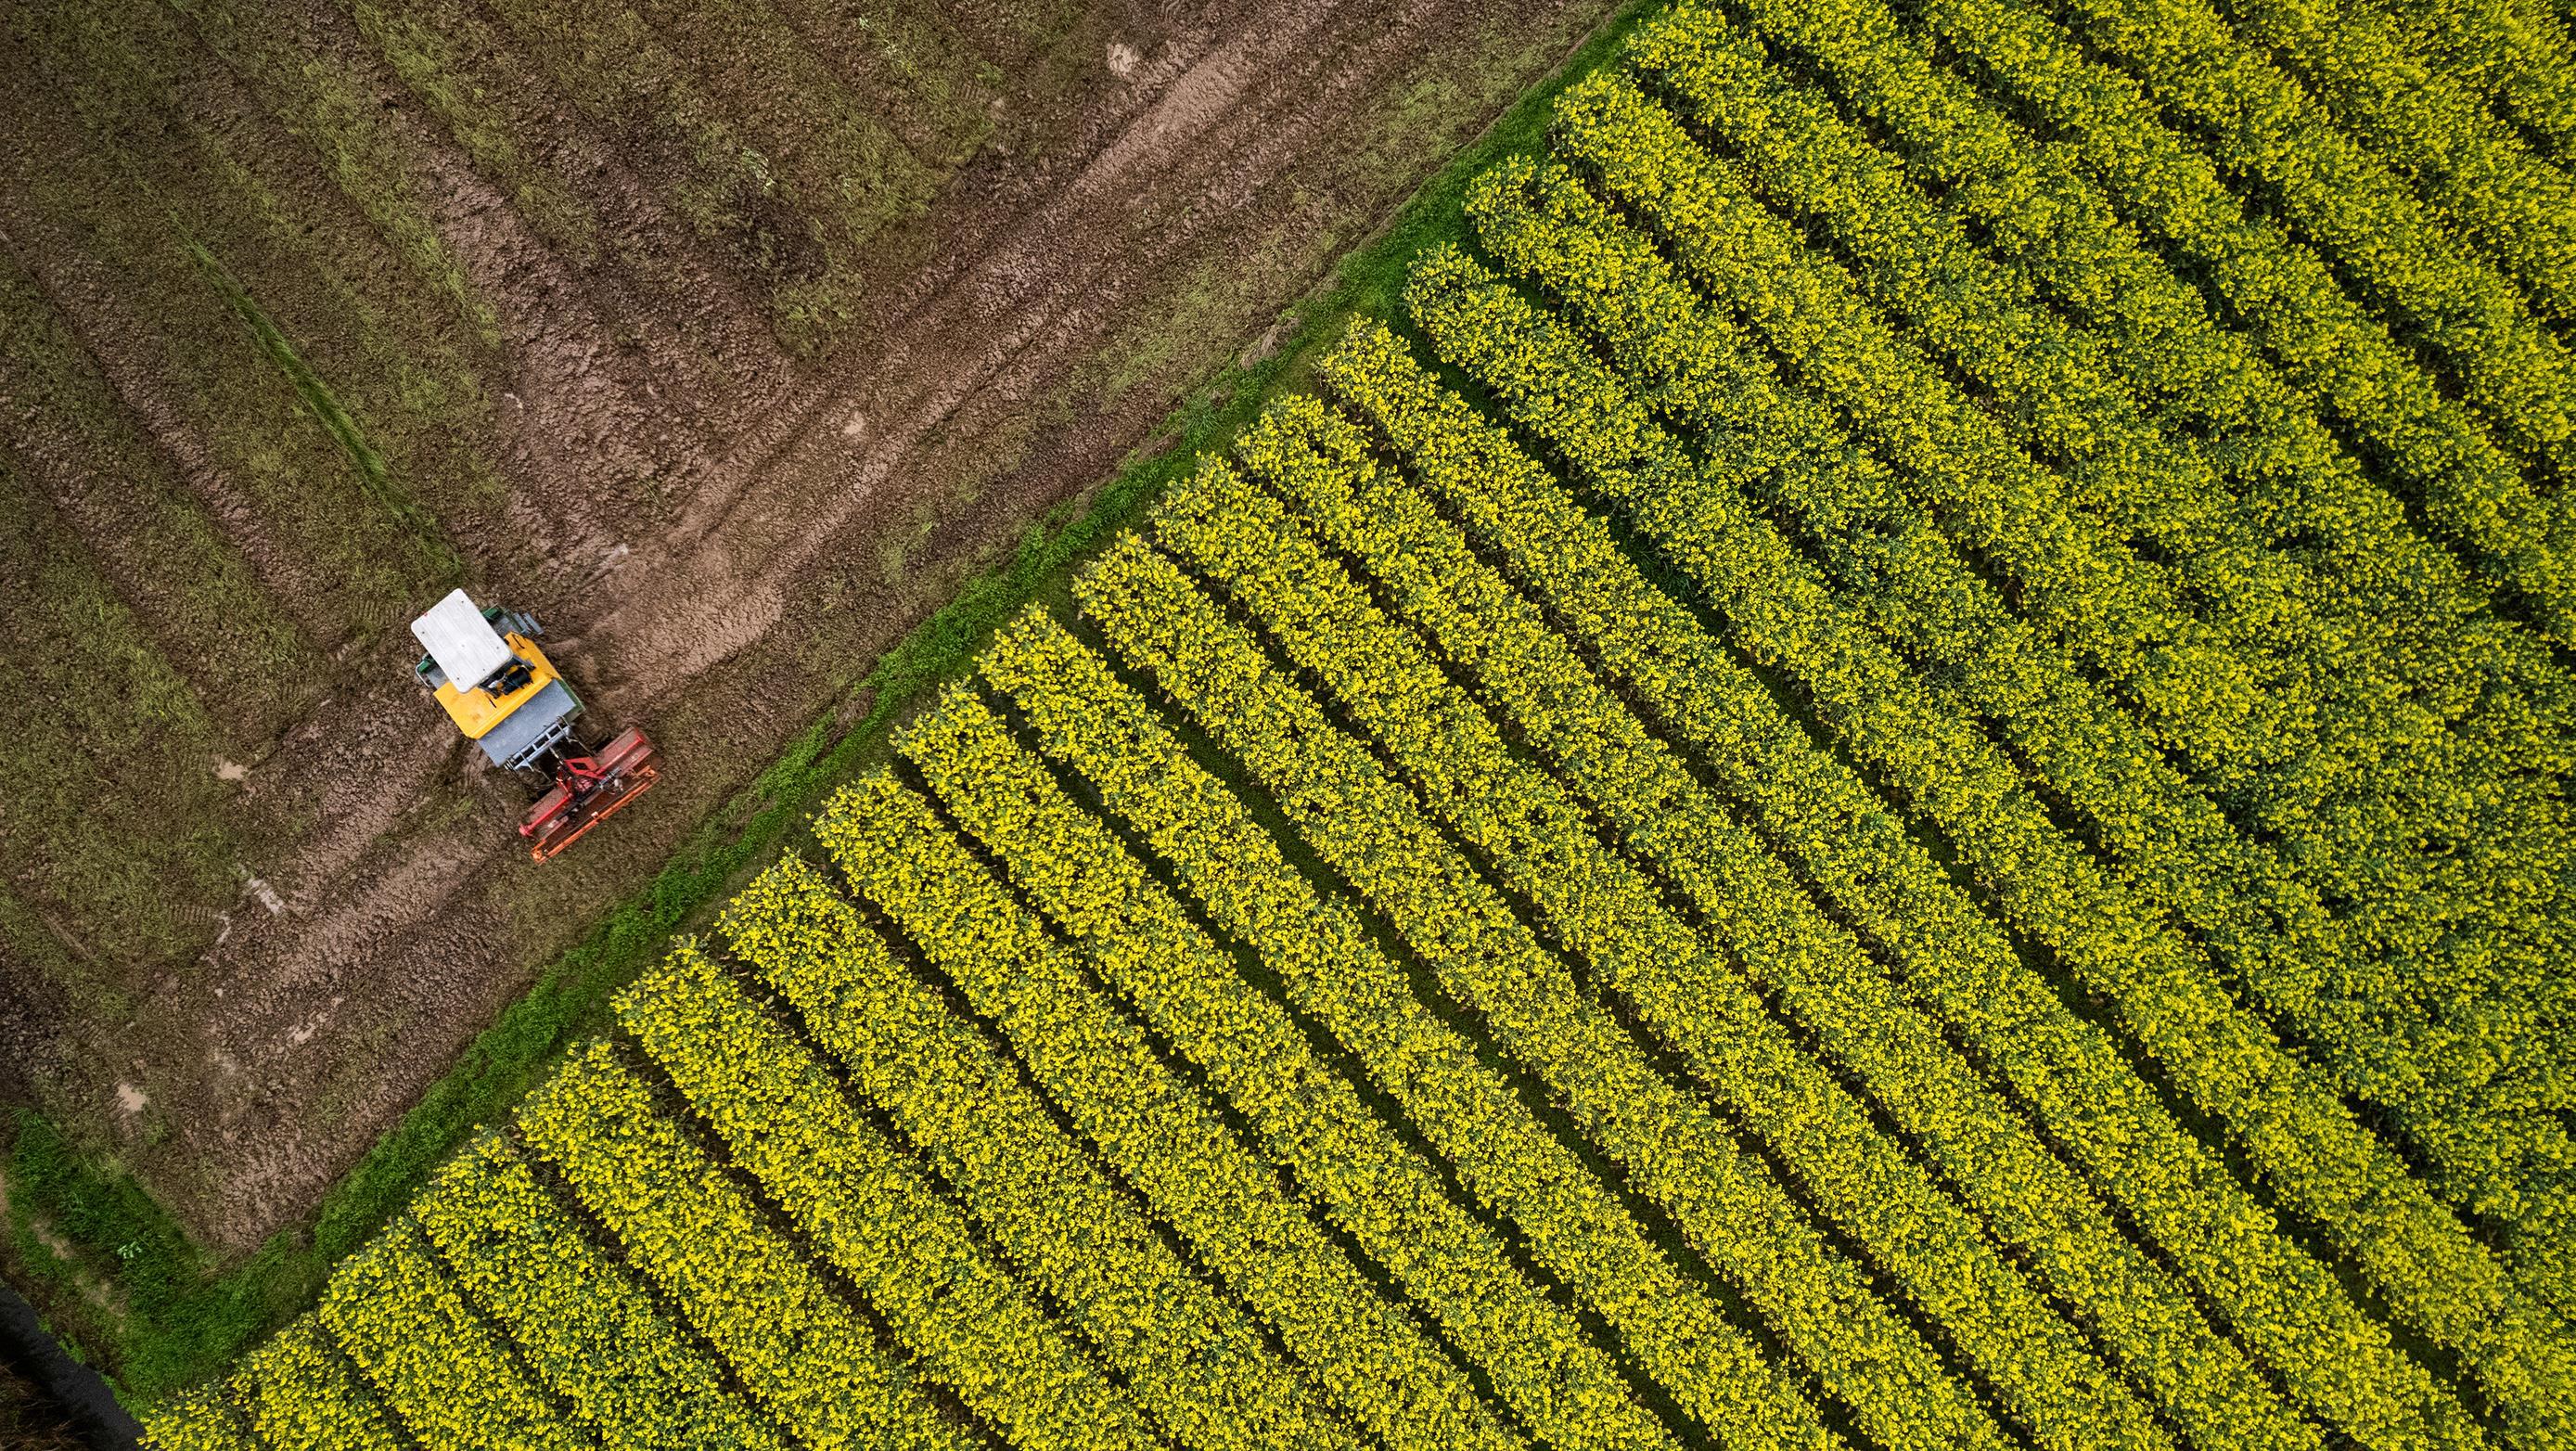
411	918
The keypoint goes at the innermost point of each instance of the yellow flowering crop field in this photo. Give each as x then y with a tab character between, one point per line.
1892	774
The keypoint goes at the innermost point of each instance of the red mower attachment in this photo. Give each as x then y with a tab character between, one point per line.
588	790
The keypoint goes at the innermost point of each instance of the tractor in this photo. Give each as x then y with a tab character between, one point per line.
484	668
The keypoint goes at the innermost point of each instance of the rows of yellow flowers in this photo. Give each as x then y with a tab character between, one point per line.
874	1217
1912	293
2341	682
2038	199
584	1326
1996	500
2432	626
2053	207
454	1384
1862	865
1963	465
1674	1150
2300	1133
1803	962
2262	921
2122	616
295	1393
1192	1358
300	1394
2365	713
2519	62
1331	968
202	1420
798	1348
1315	1122
2518	209
1388	1200
1157	1129
2056	224
2286	1116
2352	816
2261	126
1612	918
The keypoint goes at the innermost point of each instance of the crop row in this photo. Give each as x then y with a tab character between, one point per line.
2517	55
2369	692
1899	572
201	1420
793	1343
1193	1359
1723	1199
2296	1131
1144	943
1813	970
1103	1073
1860	862
582	1324
2514	55
2122	616
2096	468
873	1216
2051	221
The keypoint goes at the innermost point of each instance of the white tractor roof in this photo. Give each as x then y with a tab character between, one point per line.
463	643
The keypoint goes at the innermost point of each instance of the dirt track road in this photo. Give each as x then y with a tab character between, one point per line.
827	507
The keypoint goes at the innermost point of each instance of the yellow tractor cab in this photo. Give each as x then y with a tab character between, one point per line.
485	670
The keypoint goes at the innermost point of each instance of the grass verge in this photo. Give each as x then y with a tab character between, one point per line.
178	1318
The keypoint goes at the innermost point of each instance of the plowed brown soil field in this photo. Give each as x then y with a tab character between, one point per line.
727	339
